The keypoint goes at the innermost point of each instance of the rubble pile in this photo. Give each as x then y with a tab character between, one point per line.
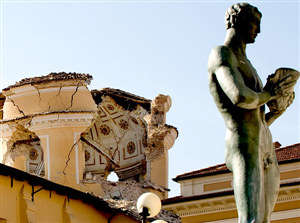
130	190
19	144
131	206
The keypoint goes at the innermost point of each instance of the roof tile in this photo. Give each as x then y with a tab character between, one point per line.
51	77
285	154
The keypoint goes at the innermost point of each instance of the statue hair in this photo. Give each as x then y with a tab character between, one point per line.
239	11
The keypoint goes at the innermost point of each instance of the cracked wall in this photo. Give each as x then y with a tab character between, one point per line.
79	133
23	150
116	141
47	97
133	142
57	108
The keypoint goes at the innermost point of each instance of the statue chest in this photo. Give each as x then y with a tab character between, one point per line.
250	75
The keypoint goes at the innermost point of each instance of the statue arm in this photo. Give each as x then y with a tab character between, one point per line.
270	117
223	64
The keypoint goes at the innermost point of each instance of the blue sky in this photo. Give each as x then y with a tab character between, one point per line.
149	48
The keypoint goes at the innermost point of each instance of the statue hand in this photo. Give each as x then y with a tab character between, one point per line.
281	83
277	107
280	104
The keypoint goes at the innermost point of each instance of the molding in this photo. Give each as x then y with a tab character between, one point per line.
76	137
203	206
61	120
279	215
20	89
289	167
290	179
57	120
210	210
30	90
48	153
291	196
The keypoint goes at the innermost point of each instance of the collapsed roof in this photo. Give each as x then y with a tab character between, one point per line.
51	77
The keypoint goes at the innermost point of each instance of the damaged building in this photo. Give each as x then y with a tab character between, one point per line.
54	127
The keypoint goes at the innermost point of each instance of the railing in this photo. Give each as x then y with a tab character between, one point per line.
39	168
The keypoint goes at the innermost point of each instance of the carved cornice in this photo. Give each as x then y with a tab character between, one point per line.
48	121
279	215
208	210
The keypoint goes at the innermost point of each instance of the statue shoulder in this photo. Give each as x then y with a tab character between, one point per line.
221	56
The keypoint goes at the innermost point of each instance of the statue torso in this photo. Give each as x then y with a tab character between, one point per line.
242	121
249	73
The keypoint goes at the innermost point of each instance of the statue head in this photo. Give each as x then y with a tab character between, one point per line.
245	20
239	13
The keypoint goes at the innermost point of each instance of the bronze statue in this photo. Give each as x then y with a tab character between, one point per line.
240	97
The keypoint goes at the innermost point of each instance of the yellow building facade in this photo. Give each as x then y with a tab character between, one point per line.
28	198
207	194
60	141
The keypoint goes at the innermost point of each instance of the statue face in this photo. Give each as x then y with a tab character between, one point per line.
250	28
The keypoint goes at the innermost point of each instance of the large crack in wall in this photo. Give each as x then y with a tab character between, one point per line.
57	95
19	144
72	97
14	104
39	93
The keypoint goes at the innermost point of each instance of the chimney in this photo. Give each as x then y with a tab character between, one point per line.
276	145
